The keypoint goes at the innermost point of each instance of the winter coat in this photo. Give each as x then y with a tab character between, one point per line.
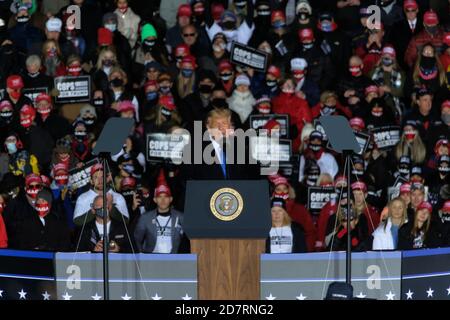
128	25
301	215
382	237
3	234
433	238
242	104
417	42
297	109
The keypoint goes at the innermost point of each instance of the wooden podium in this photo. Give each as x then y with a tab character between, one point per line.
228	252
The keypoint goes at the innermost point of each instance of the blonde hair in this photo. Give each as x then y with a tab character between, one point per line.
404	211
158	118
306	132
102	54
418	150
185	88
218	113
47	43
287	221
324	177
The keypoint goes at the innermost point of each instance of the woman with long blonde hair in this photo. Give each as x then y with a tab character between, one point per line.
385	237
411	145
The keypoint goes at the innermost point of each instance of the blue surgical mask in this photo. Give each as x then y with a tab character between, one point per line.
187	73
279	24
111	27
12	148
164	90
152	96
326	26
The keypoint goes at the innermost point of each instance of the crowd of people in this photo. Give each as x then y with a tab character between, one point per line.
167	64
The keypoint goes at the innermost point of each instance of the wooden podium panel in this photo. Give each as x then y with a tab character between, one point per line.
228	269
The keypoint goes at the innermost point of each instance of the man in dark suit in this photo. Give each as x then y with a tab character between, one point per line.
403	31
222	157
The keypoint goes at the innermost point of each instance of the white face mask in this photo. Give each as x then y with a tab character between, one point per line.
111	27
219	47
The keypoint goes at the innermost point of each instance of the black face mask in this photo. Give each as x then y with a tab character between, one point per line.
427	62
6	116
22	19
358	172
303	16
229	25
431	29
315	147
98	102
226	76
443	170
148	46
386	3
8	49
117	83
219	103
205	89
271	83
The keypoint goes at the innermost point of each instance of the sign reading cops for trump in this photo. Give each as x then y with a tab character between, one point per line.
73	89
248	57
78	178
162	146
32	93
260	120
318	197
386	137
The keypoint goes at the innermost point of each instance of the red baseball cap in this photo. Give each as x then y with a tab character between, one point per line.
128	182
446	206
184	10
150	83
306	34
182	50
430	18
389	50
28	110
14	82
371	89
190	60
29	179
278	15
216	11
125	106
105	37
96	167
272	123
405	188
425	205
359	185
167	101
410	4
340	179
43	97
445	104
357	122
278	179
225	65
5	104
447	39
275	71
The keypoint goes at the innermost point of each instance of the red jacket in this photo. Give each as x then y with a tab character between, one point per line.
301	215
373	218
297	109
327	211
445	60
340	109
419	41
3	235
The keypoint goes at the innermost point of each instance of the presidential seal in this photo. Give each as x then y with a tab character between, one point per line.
226	204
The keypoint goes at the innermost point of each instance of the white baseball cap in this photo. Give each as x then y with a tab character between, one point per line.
54	25
298	64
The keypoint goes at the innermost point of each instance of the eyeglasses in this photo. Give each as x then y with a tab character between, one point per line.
189	35
411	10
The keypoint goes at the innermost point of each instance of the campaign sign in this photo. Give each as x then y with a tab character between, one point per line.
248	57
32	93
78	178
386	137
73	89
260	120
318	197
269	151
162	146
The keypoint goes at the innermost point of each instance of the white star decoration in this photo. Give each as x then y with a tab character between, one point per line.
361	295
271	297
66	296
96	297
46	295
409	294
448	292
1	293
430	293
301	297
126	297
156	297
390	296
186	297
22	294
